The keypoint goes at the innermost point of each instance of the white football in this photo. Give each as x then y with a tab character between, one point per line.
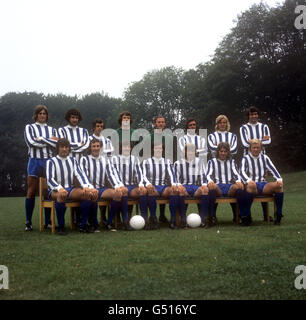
137	222
193	220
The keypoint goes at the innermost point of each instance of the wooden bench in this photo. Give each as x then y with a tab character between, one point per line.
46	203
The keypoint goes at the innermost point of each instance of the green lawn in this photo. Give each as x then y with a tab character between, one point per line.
223	262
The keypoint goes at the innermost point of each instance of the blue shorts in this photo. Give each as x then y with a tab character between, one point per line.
69	190
37	167
260	186
224	188
130	188
160	189
191	189
101	190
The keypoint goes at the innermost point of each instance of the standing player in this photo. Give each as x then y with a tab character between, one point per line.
255	130
98	168
191	174
192	137
156	171
78	137
254	167
223	178
130	174
222	134
61	171
41	141
106	144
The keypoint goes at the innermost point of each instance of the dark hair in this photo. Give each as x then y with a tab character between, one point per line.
62	142
124	113
188	121
223	145
73	112
39	108
157	117
94	140
98	120
252	109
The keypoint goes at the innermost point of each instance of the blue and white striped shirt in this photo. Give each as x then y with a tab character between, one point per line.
129	170
107	146
190	172
78	138
158	172
195	139
251	131
61	171
222	136
97	169
43	148
220	171
255	168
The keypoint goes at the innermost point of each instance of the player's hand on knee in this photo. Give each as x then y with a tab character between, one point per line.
94	194
142	191
204	189
239	185
212	186
151	189
62	195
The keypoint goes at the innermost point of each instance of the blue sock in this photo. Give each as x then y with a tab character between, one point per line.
93	214
143	206
85	210
60	213
248	202
173	205
152	205
124	208
182	207
47	215
212	195
279	199
241	197
204	206
29	206
115	205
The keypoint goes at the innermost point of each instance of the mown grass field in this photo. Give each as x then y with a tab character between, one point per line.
223	262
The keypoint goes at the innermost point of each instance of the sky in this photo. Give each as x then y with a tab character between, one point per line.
78	47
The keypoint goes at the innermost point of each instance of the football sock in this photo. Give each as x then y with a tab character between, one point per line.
85	209
212	195
152	205
60	213
240	196
173	205
143	206
47	216
204	206
279	198
182	207
29	206
124	208
248	202
115	205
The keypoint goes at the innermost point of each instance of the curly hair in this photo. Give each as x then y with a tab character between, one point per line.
73	112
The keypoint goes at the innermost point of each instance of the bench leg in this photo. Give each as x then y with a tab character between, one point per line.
53	219
40	217
237	213
71	218
268	212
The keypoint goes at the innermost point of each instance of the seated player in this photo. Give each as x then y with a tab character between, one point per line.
191	174
254	167
223	178
41	141
98	168
61	171
223	134
130	174
156	170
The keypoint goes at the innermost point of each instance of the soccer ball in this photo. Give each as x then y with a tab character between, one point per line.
193	220
137	222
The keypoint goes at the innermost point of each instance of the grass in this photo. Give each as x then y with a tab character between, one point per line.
224	262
